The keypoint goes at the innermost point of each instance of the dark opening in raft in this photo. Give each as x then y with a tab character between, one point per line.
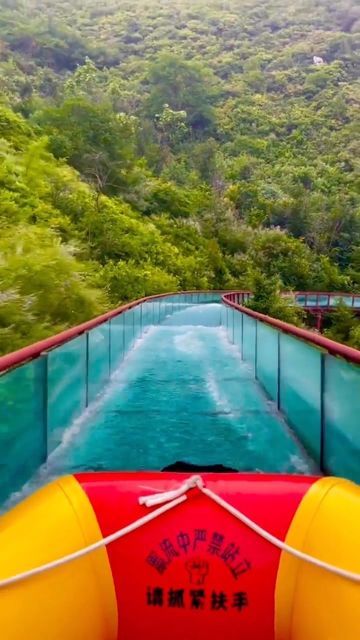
182	467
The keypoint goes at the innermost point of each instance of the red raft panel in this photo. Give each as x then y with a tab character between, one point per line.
196	570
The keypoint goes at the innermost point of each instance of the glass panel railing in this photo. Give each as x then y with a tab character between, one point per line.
318	393
326	299
116	341
164	310
267	359
249	339
232	328
147	315
341	418
300	390
66	387
156	312
129	327
23	434
339	299
223	317
137	322
98	359
300	299
311	300
229	323
207	297
323	300
213	297
238	321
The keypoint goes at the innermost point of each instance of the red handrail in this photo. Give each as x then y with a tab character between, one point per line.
332	347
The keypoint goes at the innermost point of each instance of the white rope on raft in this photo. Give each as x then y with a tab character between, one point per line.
168	500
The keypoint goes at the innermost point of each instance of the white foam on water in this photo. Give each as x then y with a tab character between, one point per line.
208	315
301	465
220	401
189	343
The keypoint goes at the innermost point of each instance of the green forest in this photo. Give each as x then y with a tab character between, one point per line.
160	146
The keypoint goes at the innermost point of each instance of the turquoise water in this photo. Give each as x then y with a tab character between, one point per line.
181	393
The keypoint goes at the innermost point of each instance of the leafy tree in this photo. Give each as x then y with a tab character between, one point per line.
84	83
207	161
125	281
277	254
13	128
94	140
344	326
171	126
44	288
183	86
354	340
267	298
326	276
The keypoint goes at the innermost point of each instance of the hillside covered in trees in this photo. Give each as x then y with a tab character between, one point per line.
156	146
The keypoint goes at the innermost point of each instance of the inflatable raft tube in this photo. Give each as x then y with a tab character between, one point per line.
198	559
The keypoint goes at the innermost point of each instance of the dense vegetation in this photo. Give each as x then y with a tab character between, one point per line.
155	146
